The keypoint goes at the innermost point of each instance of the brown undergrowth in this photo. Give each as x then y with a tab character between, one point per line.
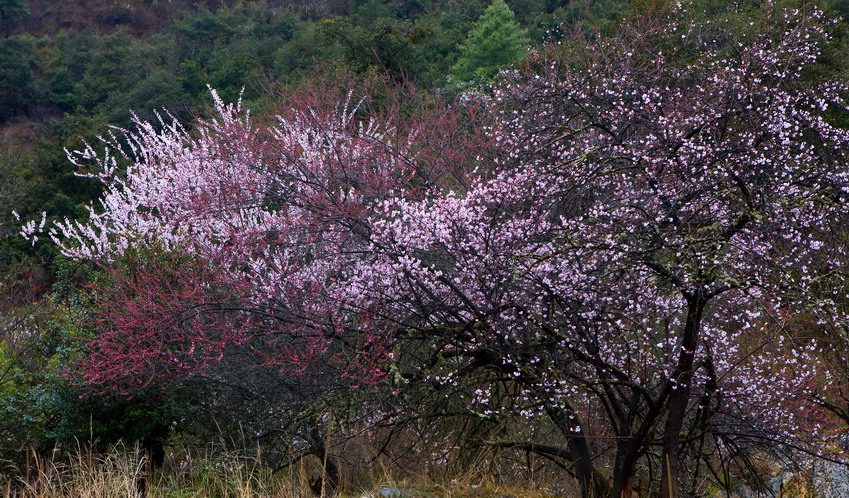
118	473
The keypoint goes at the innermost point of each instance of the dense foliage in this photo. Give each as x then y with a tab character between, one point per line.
494	42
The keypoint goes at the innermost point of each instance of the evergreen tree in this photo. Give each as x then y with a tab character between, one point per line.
496	40
11	13
18	84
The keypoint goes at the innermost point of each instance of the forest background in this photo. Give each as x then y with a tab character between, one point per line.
70	70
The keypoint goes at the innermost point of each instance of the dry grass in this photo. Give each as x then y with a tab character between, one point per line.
116	475
84	476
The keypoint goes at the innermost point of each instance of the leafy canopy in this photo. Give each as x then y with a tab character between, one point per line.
497	40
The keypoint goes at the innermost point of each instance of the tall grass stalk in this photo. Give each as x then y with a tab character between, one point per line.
116	474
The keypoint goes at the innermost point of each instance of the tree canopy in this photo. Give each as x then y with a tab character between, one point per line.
345	232
496	41
628	238
11	13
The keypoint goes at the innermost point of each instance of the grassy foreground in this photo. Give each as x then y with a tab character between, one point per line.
119	473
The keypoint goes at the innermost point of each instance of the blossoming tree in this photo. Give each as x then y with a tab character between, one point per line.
656	230
643	243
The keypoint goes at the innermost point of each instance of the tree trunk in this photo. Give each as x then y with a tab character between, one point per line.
593	483
153	452
627	451
623	484
327	482
624	469
679	399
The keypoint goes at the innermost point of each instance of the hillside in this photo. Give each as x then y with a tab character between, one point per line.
139	17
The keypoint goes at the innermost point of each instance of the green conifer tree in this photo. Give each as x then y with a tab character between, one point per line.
496	41
11	13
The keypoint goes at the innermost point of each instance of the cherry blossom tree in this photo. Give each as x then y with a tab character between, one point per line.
672	205
277	209
642	244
